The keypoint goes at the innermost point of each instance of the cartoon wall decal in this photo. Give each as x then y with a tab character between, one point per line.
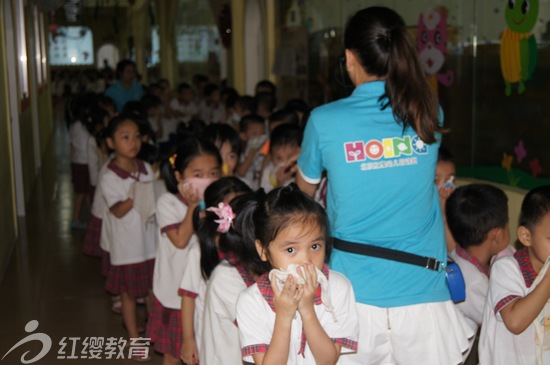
536	169
518	46
431	41
520	151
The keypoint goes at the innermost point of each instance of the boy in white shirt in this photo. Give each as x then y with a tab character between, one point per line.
477	215
252	133
516	296
183	106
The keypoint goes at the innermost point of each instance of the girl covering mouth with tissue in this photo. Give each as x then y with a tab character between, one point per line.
311	317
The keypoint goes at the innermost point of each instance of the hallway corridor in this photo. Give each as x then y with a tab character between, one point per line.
51	281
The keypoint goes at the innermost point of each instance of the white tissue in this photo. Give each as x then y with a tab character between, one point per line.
281	275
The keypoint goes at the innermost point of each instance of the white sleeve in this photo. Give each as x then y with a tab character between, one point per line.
192	276
170	212
254	334
506	283
112	188
476	295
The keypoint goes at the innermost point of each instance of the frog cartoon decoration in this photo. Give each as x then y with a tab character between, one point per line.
431	42
518	46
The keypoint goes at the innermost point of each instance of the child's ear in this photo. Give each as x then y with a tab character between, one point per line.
260	250
524	235
110	143
178	176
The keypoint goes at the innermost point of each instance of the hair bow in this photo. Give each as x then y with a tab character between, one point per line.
172	161
226	215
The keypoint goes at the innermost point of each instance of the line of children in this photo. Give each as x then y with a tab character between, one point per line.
226	232
515	318
193	160
199	266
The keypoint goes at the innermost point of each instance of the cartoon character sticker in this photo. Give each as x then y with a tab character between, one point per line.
431	42
518	46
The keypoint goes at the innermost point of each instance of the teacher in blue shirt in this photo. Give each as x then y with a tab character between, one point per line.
126	88
379	148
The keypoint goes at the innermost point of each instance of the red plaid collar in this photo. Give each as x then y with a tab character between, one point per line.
181	199
233	260
472	260
265	288
123	174
529	274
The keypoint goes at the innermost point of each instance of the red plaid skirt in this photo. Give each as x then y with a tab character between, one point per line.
134	279
80	177
165	330
93	237
105	263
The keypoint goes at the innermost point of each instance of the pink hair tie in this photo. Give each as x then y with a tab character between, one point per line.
226	215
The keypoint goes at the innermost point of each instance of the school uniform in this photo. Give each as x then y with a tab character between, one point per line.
512	278
79	160
92	240
476	277
256	320
131	242
188	110
220	336
164	324
193	285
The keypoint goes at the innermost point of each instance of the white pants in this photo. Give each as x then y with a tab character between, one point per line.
427	334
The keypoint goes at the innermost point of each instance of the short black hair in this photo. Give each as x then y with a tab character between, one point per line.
535	206
285	116
248	120
286	135
473	210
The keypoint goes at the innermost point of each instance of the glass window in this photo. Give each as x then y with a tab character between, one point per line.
71	46
492	90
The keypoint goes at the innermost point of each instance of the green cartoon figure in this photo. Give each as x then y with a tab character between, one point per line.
518	47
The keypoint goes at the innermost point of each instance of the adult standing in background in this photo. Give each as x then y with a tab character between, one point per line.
126	87
379	149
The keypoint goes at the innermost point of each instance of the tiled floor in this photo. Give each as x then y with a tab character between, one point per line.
49	279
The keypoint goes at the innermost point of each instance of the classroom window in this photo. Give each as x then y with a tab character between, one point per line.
71	46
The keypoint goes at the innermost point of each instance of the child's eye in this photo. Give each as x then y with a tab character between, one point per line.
290	250
316	246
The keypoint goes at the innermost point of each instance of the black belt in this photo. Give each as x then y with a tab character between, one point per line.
389	254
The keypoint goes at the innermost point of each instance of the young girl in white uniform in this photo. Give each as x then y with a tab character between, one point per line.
194	159
131	242
295	321
238	270
193	286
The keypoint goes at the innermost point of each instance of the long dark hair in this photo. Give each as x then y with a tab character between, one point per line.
239	239
385	48
185	153
284	207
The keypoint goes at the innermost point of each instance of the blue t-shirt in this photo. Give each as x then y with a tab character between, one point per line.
121	95
381	191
